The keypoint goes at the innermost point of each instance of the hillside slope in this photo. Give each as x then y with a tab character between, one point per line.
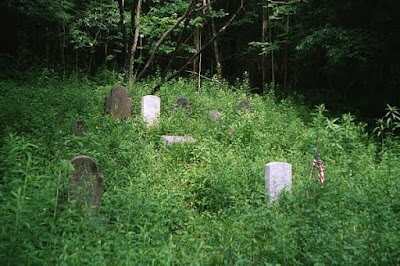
202	203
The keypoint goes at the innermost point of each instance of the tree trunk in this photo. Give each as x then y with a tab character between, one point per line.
216	50
135	41
197	46
285	63
47	45
272	59
62	33
264	39
106	48
121	5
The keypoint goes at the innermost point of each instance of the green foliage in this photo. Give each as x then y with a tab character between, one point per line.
339	45
388	125
202	203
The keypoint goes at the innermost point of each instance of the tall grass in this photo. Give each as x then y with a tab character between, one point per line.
191	204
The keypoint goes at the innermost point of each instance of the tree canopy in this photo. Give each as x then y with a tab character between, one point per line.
341	51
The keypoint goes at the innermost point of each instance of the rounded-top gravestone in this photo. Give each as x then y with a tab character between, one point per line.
79	127
244	106
214	115
117	103
86	183
182	103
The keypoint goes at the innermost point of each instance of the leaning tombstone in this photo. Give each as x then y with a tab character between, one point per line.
214	115
244	106
79	127
278	177
118	104
86	183
169	140
151	106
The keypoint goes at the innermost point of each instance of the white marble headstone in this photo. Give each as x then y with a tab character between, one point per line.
278	177
151	108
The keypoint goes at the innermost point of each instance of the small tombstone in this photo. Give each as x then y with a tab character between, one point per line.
244	106
169	140
151	106
118	104
79	127
214	115
278	177
86	182
182	103
230	131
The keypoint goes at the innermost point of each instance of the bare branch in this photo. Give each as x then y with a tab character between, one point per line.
188	11
283	2
221	30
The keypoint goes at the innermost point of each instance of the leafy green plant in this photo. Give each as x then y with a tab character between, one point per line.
387	126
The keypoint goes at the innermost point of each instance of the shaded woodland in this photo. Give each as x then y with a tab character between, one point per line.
343	53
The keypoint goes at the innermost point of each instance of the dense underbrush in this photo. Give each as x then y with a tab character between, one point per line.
202	203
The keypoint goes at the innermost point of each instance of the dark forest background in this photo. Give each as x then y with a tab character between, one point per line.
343	53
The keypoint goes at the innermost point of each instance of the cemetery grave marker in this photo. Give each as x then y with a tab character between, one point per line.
169	140
151	108
182	103
79	127
244	106
86	182
278	177
118	104
214	115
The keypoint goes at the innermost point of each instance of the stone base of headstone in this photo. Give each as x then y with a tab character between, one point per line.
169	140
278	177
86	183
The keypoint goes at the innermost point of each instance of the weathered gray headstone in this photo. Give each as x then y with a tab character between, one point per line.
278	177
230	131
151	108
181	103
244	106
79	127
169	140
214	115
118	104
86	182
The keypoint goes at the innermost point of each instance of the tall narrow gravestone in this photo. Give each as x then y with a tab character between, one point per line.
278	177
118	104
151	108
86	182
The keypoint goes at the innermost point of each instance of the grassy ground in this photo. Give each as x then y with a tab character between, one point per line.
191	204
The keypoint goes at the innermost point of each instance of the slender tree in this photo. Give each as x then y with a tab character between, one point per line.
135	40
